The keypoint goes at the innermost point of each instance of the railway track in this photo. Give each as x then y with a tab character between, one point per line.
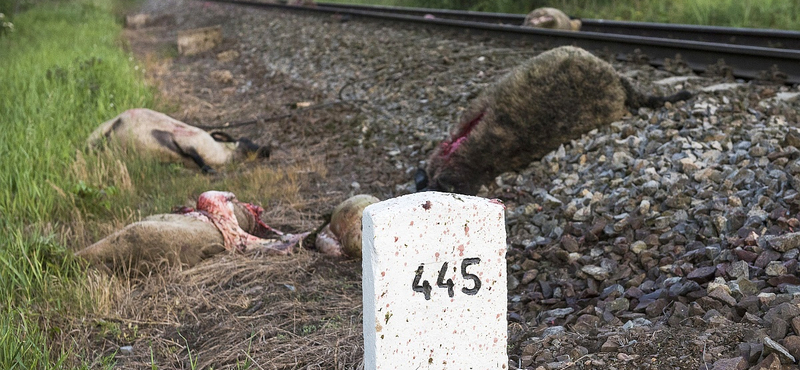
749	53
725	35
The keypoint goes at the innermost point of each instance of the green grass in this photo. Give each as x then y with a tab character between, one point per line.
63	73
779	14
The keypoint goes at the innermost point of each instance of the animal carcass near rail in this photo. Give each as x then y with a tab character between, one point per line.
551	18
342	236
551	99
171	140
219	223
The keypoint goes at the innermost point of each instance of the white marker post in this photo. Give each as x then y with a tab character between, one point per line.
434	279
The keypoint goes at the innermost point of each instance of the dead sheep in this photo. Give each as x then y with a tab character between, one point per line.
306	3
551	99
342	236
220	223
170	140
551	18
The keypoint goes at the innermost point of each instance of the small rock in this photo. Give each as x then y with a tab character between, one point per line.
792	344
746	256
747	287
696	310
785	96
747	304
616	290
756	349
626	357
569	243
635	323
771	362
683	288
578	352
618	304
558	312
782	243
583	214
766	257
529	276
513	282
680	312
739	269
778	328
723	87
598	273
222	76
586	323
718	283
736	363
775	268
751	318
702	274
783	280
719	321
784	311
553	330
766	298
656	308
199	40
638	247
227	56
555	365
723	296
126	350
611	344
796	325
708	303
775	347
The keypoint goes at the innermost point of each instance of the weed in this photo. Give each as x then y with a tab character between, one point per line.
192	359
309	329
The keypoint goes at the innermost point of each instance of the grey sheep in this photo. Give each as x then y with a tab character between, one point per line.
551	99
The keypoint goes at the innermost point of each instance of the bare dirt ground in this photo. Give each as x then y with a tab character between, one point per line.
381	95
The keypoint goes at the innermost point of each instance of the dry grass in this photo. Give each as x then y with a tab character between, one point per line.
232	312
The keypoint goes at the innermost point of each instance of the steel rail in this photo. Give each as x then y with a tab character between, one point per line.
725	35
748	62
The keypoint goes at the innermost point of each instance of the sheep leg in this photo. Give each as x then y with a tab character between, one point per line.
195	156
167	140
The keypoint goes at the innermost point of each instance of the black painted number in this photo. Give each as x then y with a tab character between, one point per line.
440	281
473	277
425	288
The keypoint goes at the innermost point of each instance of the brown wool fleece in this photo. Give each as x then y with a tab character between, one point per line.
551	99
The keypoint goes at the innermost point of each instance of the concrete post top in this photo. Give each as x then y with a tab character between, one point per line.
429	199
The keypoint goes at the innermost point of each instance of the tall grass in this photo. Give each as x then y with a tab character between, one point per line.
780	14
63	73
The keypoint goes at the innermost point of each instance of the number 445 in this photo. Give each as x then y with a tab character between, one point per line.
425	287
